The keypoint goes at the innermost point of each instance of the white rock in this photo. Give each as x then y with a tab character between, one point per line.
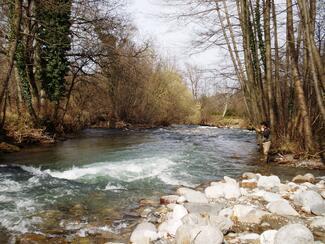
186	233
271	197
249	175
209	235
179	212
249	237
144	233
223	224
294	234
195	219
214	191
169	227
322	193
227	212
268	182
282	207
248	214
230	189
196	197
184	190
310	200
319	223
267	237
181	199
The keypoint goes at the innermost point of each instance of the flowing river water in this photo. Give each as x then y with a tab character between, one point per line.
92	182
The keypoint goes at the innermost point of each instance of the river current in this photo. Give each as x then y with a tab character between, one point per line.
91	182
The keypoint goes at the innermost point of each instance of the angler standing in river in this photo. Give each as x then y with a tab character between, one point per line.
265	133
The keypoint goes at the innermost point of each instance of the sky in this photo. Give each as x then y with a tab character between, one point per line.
172	39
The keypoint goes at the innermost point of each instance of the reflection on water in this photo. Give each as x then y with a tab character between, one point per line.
86	183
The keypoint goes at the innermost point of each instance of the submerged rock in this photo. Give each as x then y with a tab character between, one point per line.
144	233
294	234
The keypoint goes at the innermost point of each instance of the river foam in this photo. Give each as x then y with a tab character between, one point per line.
126	171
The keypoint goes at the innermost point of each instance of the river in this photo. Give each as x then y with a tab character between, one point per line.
92	182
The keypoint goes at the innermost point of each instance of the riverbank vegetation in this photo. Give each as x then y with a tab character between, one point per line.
72	64
276	51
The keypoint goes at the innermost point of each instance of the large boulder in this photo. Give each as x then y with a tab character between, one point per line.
144	233
282	207
248	214
268	236
310	200
170	227
294	234
268	182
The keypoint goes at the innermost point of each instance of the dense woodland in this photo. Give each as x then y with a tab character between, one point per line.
70	64
277	51
67	64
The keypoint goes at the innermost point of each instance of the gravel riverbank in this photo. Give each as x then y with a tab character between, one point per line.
255	209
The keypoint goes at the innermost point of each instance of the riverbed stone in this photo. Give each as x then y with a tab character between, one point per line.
226	212
169	199
184	190
304	178
317	226
195	219
222	223
294	234
229	189
281	207
208	235
268	236
248	214
170	227
144	233
204	208
249	175
268	182
249	238
196	197
179	212
310	200
250	183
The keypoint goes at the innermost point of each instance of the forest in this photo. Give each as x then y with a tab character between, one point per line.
71	64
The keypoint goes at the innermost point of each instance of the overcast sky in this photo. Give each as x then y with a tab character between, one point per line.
171	39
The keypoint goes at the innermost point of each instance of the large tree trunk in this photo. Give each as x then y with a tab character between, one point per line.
12	50
268	66
301	99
